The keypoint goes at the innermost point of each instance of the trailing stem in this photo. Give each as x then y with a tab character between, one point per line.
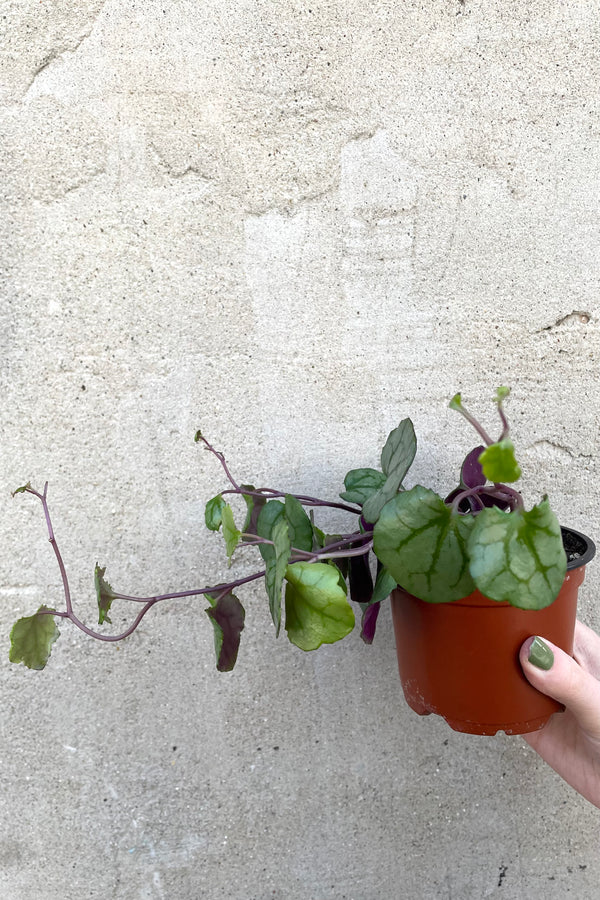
343	548
417	537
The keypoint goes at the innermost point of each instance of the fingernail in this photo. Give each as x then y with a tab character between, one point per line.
540	654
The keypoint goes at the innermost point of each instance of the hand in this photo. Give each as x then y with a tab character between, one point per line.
570	740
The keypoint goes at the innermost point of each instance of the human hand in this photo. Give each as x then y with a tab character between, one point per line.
570	740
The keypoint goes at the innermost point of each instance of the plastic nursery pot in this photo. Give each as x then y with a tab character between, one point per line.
460	660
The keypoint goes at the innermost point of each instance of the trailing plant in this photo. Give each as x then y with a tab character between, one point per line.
480	536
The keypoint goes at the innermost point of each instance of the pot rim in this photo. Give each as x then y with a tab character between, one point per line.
586	556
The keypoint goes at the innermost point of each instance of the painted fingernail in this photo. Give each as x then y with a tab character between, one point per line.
540	654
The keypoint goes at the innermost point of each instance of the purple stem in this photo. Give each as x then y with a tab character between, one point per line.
147	601
52	539
365	536
504	492
499	492
308	501
114	637
331	551
302	498
505	428
473	421
464	495
195	592
221	458
336	550
358	551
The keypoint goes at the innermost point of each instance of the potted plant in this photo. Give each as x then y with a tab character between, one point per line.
471	575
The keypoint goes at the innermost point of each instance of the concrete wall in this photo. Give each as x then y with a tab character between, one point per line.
290	224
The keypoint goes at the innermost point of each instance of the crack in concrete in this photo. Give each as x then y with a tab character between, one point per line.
190	170
171	171
89	177
287	209
50	57
364	134
577	317
560	448
57	52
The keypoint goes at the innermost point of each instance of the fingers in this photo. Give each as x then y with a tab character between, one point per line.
587	649
564	679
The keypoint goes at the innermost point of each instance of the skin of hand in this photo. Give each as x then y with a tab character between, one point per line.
570	740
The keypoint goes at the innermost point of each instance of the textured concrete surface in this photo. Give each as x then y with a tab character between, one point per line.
291	224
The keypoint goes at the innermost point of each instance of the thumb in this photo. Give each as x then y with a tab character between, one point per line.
553	672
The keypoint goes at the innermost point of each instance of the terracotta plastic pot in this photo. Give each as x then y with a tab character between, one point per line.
460	660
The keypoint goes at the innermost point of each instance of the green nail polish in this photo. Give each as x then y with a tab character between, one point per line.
540	654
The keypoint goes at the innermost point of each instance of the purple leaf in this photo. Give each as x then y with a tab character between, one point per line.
471	473
254	505
227	616
369	622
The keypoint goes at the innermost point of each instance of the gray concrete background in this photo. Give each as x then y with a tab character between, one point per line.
291	224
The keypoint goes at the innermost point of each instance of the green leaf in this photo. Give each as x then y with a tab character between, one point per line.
501	394
273	525
31	639
396	459
518	556
399	450
271	511
230	532
360	484
300	528
269	514
319	536
384	585
316	609
104	594
277	563
213	512
342	563
227	616
335	563
498	462
422	543
373	506
22	489
456	403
